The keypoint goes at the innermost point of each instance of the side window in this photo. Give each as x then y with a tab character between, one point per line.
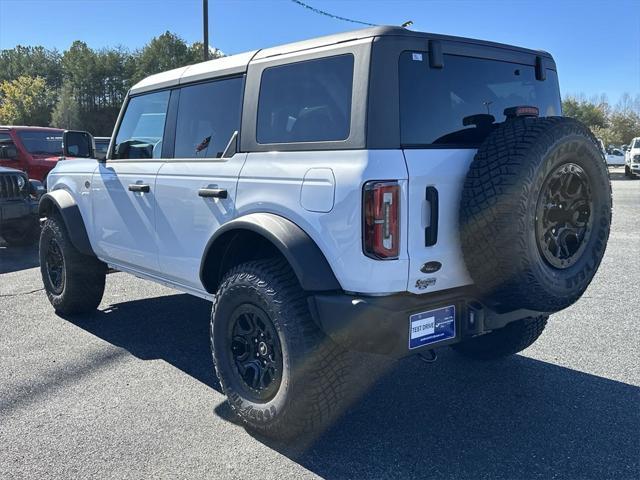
208	114
140	133
7	147
307	101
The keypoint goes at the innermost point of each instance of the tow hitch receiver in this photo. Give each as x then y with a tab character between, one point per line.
430	358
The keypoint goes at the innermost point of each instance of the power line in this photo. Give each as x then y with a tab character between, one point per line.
331	15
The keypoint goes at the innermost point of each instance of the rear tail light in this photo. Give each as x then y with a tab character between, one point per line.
381	212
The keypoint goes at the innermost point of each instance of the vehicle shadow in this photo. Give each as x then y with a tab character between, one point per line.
13	259
515	419
173	328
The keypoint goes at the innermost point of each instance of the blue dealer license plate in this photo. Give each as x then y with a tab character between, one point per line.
432	326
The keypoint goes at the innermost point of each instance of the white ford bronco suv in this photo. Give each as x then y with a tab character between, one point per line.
380	190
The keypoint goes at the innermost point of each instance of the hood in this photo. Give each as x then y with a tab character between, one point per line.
9	170
45	159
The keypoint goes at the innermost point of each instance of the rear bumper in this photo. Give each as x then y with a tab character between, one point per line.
381	324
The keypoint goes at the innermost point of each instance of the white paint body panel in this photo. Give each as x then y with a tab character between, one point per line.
161	235
272	182
446	171
124	222
185	221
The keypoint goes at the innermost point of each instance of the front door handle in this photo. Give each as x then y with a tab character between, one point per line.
139	187
212	193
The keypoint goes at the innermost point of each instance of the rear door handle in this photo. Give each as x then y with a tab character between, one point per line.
138	187
212	193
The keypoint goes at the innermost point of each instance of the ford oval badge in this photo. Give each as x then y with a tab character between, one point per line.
430	267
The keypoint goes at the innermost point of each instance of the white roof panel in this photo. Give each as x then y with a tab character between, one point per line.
218	67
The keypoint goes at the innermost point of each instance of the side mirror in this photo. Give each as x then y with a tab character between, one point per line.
36	189
8	152
79	144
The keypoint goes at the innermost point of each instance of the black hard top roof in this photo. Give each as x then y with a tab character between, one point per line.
381	31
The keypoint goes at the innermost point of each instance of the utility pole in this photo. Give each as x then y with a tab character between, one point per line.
205	28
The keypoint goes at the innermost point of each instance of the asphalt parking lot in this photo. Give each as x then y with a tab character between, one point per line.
129	392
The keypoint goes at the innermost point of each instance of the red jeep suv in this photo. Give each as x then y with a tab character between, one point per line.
34	150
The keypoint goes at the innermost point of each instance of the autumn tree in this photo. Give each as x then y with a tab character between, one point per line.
25	101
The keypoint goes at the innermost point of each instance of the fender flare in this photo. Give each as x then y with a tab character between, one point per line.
63	202
305	257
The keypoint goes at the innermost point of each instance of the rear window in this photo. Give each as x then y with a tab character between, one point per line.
306	101
460	104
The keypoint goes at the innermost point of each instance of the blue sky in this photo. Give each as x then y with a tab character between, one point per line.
596	44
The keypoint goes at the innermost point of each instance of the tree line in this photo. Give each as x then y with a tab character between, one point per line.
82	88
615	125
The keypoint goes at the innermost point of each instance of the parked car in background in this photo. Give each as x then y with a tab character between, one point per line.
19	199
101	147
632	159
615	157
34	150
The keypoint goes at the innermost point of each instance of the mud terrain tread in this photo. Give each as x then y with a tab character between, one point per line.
319	364
493	212
85	275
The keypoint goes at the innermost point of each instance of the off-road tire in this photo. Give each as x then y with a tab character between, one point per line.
503	342
84	275
312	385
498	213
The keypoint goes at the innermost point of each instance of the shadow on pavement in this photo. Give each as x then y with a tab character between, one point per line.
13	259
173	328
516	418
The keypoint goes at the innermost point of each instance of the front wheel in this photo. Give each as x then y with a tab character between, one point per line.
503	342
283	377
74	282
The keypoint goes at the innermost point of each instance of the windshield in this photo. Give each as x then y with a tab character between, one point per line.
460	104
45	143
636	143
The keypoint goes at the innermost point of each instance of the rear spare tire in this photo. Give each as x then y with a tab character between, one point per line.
535	213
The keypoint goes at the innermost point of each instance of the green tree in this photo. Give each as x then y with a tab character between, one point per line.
66	113
25	101
589	113
32	62
624	127
197	52
163	53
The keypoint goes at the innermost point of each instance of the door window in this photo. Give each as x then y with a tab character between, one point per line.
142	127
208	115
7	147
306	101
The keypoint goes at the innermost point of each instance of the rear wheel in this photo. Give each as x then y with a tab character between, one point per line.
503	342
74	282
282	375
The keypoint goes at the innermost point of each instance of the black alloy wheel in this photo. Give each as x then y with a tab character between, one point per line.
563	215
255	352
54	264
